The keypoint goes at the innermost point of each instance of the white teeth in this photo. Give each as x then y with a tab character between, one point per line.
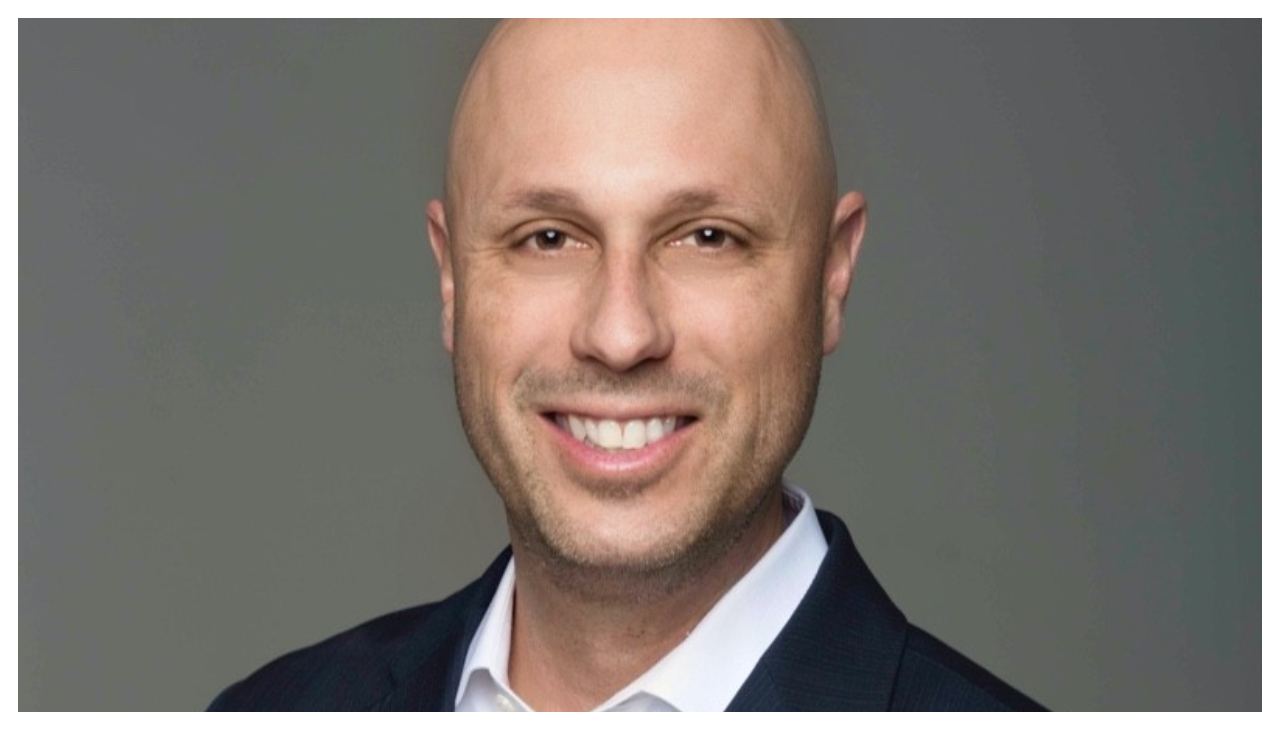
653	430
610	434
633	435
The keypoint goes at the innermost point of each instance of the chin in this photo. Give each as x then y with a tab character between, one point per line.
627	553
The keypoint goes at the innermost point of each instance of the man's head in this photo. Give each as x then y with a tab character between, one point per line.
643	261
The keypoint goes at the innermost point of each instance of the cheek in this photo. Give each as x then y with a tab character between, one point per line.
759	322
506	323
763	337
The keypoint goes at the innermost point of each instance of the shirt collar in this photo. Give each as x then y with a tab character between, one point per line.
705	671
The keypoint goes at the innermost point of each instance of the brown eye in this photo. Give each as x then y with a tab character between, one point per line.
710	237
548	240
707	238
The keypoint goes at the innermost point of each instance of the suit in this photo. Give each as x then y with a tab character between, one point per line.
846	647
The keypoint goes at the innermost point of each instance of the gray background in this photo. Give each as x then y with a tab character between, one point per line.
237	424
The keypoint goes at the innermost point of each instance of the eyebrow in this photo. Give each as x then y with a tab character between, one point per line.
544	199
564	200
692	199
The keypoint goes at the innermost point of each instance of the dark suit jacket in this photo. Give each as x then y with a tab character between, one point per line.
847	647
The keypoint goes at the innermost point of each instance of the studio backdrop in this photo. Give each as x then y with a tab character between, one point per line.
238	433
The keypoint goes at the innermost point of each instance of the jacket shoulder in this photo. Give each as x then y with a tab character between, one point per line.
403	660
350	671
935	677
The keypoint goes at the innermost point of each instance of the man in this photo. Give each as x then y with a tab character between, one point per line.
643	261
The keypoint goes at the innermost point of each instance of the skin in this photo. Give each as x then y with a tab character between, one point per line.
640	220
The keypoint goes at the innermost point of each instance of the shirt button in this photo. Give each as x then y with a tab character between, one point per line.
504	703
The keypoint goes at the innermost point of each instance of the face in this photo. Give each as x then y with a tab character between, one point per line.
640	277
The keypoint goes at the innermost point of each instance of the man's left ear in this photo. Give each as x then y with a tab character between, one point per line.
847	226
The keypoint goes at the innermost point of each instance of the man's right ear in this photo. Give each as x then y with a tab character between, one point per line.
438	234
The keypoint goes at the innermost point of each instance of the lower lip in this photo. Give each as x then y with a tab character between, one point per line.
649	460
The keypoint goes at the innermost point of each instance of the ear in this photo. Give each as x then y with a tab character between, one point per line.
847	226
438	234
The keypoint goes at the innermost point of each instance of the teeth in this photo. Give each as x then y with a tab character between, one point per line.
653	430
618	435
633	435
609	434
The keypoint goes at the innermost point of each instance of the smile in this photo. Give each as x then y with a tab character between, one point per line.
620	435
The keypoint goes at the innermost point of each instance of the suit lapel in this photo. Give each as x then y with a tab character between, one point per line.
427	679
840	650
842	647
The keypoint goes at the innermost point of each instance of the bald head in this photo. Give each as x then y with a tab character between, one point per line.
640	228
636	75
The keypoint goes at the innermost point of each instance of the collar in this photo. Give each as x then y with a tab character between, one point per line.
707	669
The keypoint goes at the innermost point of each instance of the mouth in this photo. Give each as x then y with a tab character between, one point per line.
619	435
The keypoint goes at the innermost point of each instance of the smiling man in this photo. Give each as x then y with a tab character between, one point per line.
643	261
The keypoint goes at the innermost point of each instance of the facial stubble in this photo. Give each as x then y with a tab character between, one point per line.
746	476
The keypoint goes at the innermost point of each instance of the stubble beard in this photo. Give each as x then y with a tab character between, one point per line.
746	477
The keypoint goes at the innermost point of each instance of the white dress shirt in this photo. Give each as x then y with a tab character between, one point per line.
706	670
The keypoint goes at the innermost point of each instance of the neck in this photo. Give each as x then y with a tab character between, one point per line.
580	634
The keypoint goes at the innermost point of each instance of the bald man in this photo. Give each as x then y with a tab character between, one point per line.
643	261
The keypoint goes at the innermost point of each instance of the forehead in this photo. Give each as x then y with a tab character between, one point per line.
620	110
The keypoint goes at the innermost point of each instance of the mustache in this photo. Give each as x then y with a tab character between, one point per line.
538	384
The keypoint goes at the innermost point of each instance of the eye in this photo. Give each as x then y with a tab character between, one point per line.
548	239
707	237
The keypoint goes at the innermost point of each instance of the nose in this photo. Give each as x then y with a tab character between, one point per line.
625	322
